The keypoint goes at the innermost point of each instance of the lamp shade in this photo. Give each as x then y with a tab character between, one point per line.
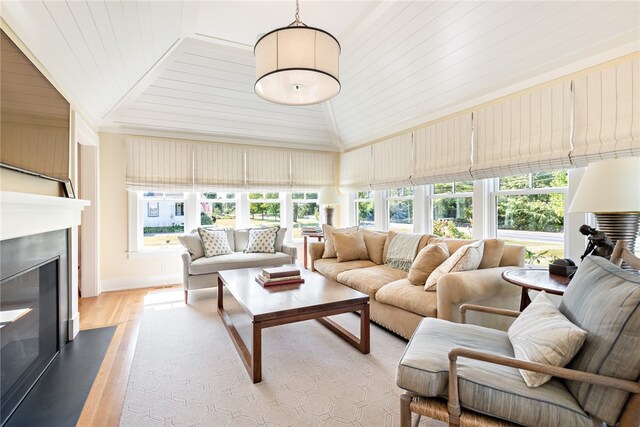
328	196
297	65
609	186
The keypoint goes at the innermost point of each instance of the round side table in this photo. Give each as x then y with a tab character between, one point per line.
537	280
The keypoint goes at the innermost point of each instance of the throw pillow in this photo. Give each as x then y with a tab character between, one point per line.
542	334
387	243
374	240
350	246
329	246
214	241
466	258
427	260
493	250
262	240
193	244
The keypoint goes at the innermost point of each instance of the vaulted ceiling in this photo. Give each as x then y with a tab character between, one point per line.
186	68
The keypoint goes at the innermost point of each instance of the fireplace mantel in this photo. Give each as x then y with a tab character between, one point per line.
23	214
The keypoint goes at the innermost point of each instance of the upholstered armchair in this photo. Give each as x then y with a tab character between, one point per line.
468	375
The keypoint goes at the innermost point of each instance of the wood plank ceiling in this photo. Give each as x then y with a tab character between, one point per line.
186	68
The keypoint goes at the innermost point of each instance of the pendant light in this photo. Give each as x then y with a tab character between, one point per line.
297	64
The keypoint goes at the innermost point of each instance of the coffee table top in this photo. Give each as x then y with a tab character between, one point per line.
317	293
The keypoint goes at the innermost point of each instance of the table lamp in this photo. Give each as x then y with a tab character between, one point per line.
610	189
328	197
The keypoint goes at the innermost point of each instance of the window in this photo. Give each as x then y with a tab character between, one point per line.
365	212
530	211
306	212
218	209
400	205
264	209
162	222
452	205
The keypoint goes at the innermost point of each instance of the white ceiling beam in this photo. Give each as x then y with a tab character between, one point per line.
190	12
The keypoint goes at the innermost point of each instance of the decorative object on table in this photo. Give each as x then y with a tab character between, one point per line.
328	197
279	276
611	190
313	229
297	64
598	242
562	267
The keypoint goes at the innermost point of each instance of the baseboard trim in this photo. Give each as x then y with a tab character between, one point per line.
74	326
128	283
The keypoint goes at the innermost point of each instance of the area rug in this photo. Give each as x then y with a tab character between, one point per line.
186	371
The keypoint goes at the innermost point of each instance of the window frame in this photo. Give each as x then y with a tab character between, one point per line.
136	219
453	195
357	200
201	199
388	198
303	200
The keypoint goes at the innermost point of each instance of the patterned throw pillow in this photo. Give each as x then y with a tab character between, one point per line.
467	258
262	240
214	242
542	334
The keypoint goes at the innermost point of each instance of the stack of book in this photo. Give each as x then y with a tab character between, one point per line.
279	276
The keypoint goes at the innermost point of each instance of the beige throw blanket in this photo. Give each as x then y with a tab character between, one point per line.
403	250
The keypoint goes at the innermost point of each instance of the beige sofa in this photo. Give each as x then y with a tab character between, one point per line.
399	306
202	272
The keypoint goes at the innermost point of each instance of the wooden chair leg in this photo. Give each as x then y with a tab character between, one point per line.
416	420
186	296
405	409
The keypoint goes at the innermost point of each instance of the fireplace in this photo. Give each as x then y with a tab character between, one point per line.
33	311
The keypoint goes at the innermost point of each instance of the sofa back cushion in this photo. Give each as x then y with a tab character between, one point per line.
374	240
193	244
427	260
350	246
329	246
493	250
513	255
604	300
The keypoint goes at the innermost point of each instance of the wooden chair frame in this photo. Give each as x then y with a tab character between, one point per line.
628	418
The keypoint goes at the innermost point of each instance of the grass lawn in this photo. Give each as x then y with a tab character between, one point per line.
556	250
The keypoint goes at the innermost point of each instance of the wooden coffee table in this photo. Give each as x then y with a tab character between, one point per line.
317	298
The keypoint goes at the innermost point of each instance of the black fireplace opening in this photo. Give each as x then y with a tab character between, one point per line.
29	330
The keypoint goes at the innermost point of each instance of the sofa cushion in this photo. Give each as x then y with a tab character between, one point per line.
262	240
193	244
427	260
390	236
374	240
542	334
493	250
329	247
237	260
466	258
483	387
403	294
369	280
241	238
214	241
331	267
604	300
350	246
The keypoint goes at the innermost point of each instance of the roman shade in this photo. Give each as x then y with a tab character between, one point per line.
157	165
356	170
218	167
392	162
443	151
607	113
268	169
523	134
311	171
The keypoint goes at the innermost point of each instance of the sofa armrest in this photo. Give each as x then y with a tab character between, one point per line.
186	262
316	249
292	251
463	287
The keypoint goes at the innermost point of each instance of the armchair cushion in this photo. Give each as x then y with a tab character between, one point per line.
605	301
542	334
483	387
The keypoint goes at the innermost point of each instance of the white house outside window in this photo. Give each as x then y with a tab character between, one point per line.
163	219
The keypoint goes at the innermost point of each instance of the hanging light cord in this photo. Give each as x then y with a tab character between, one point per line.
297	22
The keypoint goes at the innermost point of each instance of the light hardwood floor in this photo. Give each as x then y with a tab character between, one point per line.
123	309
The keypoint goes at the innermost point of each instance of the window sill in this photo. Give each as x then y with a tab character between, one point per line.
167	252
